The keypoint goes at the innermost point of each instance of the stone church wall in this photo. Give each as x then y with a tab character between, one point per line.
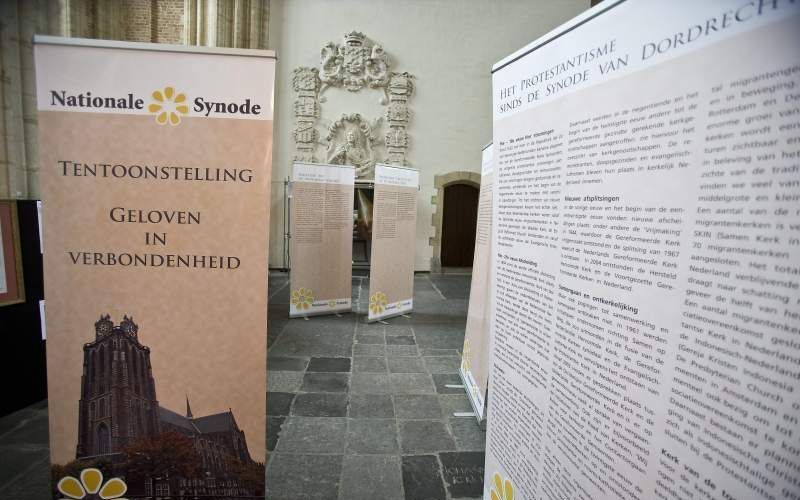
449	47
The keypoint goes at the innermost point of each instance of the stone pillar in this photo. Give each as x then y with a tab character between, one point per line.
19	20
222	23
227	23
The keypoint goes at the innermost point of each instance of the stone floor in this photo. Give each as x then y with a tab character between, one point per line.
355	410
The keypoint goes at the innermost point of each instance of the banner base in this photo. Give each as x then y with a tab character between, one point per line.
320	313
375	320
478	412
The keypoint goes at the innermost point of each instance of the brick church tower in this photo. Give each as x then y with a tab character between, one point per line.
118	395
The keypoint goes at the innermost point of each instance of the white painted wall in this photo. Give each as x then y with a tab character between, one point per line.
449	45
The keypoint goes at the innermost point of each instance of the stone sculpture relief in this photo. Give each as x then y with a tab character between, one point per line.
350	142
306	84
398	91
356	64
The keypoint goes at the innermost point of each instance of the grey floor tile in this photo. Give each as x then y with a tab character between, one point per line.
313	435
325	382
406	364
442	380
439	336
371	406
468	435
384	473
370	339
279	403
422	478
369	364
417	406
452	286
22	417
284	381
400	340
390	330
369	328
372	436
402	350
410	383
320	405
312	477
329	365
393	383
463	473
442	364
453	403
440	352
425	436
369	383
28	473
305	338
30	429
369	350
282	363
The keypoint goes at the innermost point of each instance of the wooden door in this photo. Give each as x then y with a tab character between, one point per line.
458	225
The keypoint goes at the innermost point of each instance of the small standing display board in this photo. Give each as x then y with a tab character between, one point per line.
474	369
391	285
322	239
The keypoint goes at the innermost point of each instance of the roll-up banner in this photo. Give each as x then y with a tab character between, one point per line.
155	168
646	325
394	222
322	239
474	368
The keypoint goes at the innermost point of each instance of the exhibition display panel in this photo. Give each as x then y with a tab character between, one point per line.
394	223
646	339
155	164
321	239
474	369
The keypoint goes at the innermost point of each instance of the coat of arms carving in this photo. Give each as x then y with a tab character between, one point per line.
355	64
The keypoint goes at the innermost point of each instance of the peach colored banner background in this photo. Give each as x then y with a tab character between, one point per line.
205	328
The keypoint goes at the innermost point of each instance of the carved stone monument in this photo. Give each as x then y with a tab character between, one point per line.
352	139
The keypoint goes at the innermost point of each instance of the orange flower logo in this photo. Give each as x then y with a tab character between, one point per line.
168	106
502	490
466	356
91	483
377	303
302	298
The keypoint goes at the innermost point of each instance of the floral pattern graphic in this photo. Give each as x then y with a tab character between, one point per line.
466	355
502	490
302	298
91	485
168	106
377	303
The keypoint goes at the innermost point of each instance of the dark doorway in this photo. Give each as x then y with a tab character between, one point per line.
458	225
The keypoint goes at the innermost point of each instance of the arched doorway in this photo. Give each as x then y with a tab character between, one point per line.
459	218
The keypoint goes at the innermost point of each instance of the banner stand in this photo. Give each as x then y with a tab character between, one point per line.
474	368
321	239
480	413
155	172
394	227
